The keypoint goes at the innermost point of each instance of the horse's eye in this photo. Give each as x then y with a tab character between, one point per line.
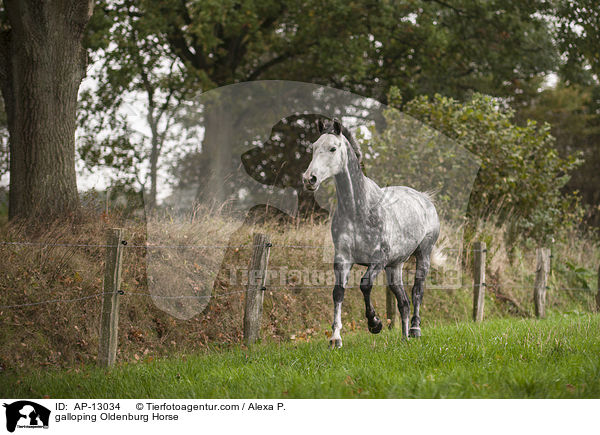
332	149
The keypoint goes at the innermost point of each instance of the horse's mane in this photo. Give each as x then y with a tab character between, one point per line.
348	135
353	143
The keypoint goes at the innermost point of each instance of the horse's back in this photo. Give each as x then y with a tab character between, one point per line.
413	213
403	197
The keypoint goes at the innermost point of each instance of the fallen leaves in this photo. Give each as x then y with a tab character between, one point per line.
304	335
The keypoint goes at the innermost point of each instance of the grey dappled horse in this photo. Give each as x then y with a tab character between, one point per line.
372	226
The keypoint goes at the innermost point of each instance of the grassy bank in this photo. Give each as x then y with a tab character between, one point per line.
66	334
505	358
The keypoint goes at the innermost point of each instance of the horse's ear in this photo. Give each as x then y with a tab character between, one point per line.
320	126
337	126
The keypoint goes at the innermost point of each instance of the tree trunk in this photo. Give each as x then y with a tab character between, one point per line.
218	148
42	62
153	173
154	153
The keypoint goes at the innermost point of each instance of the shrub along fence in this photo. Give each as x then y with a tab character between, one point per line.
256	286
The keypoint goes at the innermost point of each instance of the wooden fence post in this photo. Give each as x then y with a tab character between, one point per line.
107	353
256	287
542	269
479	250
391	308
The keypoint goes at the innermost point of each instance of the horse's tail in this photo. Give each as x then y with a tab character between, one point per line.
438	257
430	194
438	253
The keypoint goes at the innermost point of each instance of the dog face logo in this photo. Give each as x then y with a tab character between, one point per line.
26	414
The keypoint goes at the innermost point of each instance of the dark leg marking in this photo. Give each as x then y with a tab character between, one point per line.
417	291
366	284
394	277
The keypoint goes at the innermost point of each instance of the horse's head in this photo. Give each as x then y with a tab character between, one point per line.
330	155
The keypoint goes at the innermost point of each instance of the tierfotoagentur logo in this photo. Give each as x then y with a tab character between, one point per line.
25	414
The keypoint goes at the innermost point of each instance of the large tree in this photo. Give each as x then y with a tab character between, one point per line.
3	141
42	62
422	46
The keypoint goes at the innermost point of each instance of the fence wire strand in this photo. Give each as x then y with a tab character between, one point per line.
62	245
265	289
54	301
187	246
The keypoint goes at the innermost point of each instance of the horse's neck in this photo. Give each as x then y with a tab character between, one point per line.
352	195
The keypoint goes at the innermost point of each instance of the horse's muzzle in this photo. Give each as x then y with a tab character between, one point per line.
310	182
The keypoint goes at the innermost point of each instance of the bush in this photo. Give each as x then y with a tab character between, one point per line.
521	175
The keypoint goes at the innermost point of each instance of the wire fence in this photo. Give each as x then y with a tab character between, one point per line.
237	292
289	287
187	246
54	301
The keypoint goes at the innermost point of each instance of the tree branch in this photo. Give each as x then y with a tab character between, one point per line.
185	13
163	135
163	108
449	6
180	47
274	61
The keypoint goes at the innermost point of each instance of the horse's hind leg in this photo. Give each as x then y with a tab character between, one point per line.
366	284
422	256
394	278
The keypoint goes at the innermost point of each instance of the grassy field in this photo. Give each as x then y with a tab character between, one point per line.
506	358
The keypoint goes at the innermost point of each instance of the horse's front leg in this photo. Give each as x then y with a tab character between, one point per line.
366	284
342	271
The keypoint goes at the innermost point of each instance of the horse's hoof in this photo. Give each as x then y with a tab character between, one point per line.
335	343
376	327
414	332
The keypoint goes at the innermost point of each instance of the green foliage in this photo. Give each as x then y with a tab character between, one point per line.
365	46
576	276
169	50
574	113
521	173
578	37
452	48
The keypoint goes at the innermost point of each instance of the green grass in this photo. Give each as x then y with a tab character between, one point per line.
556	357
